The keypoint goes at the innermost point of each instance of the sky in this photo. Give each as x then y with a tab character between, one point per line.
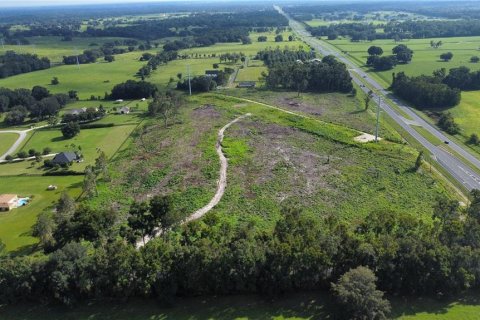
29	3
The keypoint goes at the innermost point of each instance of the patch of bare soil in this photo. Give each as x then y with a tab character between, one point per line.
295	104
282	151
175	151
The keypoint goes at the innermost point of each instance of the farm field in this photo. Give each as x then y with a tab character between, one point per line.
15	225
467	113
6	141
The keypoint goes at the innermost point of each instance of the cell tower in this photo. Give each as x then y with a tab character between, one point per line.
76	57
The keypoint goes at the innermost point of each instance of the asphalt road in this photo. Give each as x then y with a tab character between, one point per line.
457	168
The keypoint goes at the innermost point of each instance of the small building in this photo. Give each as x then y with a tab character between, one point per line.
8	202
212	73
52	187
63	158
119	101
246	84
124	110
76	111
143	99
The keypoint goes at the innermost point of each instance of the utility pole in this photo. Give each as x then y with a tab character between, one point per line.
378	117
189	83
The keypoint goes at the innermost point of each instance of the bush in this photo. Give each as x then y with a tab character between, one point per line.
8	157
46	151
63	173
474	59
447	123
22	155
473	139
31	152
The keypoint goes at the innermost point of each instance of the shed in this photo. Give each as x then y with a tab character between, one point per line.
8	202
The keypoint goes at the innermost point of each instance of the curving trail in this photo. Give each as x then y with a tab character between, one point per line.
221	183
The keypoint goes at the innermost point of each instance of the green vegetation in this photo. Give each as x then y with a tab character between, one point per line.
6	141
16	225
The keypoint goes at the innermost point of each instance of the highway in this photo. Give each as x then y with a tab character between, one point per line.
455	166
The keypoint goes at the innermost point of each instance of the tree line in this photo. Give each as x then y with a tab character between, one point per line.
327	75
37	103
425	91
90	254
401	54
410	29
272	57
12	63
153	61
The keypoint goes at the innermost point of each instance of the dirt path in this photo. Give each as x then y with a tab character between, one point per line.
221	183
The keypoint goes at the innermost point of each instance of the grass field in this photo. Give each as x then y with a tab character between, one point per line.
252	73
425	59
467	113
54	49
6	141
88	79
15	225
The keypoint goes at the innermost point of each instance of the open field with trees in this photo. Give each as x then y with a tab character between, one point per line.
306	216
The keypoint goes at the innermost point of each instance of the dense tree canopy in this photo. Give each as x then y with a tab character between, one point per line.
12	63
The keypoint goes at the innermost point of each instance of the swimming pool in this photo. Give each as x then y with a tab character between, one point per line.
22	201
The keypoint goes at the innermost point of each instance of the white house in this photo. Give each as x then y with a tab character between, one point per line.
124	110
8	202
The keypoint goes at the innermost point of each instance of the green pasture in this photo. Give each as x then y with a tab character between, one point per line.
54	49
6	141
249	49
467	113
15	225
87	79
252	73
425	59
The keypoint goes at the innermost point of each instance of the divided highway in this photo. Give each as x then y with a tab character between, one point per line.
457	168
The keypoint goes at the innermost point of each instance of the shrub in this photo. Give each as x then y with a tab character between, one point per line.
8	157
473	139
31	152
46	151
96	125
22	155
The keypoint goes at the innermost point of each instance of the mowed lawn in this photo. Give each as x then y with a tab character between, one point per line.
90	141
16	225
6	141
87	79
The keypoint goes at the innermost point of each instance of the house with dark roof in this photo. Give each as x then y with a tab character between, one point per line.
63	158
